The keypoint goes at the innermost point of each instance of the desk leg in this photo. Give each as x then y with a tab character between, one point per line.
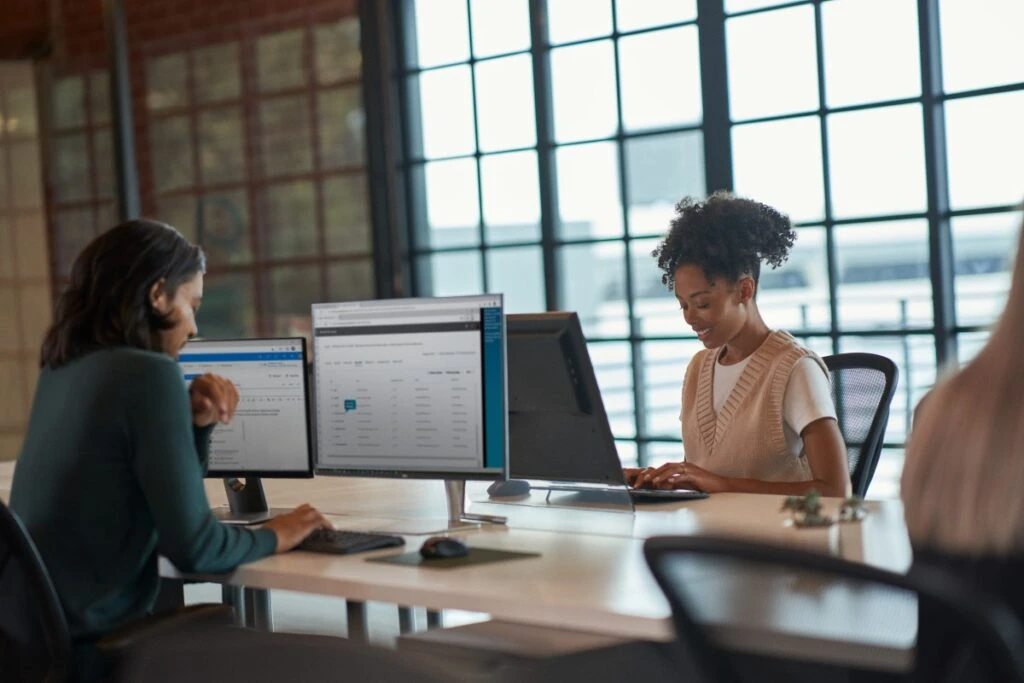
434	619
406	619
234	596
257	608
356	614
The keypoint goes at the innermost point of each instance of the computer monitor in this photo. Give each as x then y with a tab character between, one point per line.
412	388
558	428
270	433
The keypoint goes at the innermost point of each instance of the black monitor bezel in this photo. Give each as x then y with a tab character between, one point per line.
388	473
274	474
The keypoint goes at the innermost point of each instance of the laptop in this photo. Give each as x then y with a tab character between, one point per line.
558	428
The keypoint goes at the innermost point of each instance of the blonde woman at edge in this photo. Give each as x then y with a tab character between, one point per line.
963	478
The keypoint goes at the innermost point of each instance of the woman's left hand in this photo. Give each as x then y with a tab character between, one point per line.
214	399
684	475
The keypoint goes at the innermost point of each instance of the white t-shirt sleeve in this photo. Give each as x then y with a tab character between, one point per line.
808	396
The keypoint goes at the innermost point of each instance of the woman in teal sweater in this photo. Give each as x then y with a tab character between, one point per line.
111	471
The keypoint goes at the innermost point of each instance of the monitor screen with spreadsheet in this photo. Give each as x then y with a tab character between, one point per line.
411	388
269	435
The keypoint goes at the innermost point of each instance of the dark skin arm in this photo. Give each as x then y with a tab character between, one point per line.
824	449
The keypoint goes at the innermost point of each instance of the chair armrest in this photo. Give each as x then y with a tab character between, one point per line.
190	617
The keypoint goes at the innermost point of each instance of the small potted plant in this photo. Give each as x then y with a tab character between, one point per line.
852	509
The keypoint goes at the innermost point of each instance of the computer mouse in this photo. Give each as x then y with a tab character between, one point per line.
441	547
506	488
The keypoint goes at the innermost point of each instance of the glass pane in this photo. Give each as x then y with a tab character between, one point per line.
27	178
500	26
442	34
22	118
228	311
223	228
969	344
511	197
985	148
341	127
338	57
179	212
661	452
70	168
654	306
287	147
661	170
68	102
280	60
732	6
33	251
628	455
984	248
171	153
166	82
757	151
450	274
915	358
4	178
453	211
216	73
588	191
638	14
103	157
7	267
346	215
794	297
664	366
8	319
73	230
12	399
570	20
351	281
221	146
36	316
291	220
883	275
105	217
518	273
890	69
99	97
647	100
877	161
980	48
504	100
293	290
446	104
583	85
772	63
614	369
601	304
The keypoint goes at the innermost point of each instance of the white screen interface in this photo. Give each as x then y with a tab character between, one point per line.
269	430
411	385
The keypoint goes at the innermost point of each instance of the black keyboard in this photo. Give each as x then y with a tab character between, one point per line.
343	542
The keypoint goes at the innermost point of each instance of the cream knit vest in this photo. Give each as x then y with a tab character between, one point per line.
746	438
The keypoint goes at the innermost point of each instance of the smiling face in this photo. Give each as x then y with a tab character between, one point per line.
180	309
716	311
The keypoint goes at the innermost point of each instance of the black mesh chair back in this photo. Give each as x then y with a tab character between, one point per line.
35	644
717	584
863	385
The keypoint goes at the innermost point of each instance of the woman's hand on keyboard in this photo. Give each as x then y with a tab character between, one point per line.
293	527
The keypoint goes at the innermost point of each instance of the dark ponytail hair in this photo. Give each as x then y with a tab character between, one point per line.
725	236
107	301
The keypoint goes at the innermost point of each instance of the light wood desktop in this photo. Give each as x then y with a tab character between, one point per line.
591	576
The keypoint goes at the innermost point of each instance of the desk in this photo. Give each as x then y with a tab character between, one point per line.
592	576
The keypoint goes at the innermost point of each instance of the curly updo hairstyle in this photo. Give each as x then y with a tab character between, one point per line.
725	236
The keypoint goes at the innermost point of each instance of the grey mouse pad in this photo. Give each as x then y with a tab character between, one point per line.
475	556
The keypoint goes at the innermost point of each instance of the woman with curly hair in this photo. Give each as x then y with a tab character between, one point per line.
757	414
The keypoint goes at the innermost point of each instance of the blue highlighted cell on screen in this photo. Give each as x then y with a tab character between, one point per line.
350	404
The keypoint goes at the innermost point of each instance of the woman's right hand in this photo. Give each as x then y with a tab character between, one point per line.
631	474
293	527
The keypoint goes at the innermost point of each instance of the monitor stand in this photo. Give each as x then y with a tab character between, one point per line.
247	503
458	518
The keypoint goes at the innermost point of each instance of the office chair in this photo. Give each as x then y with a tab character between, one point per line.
863	385
35	642
990	638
